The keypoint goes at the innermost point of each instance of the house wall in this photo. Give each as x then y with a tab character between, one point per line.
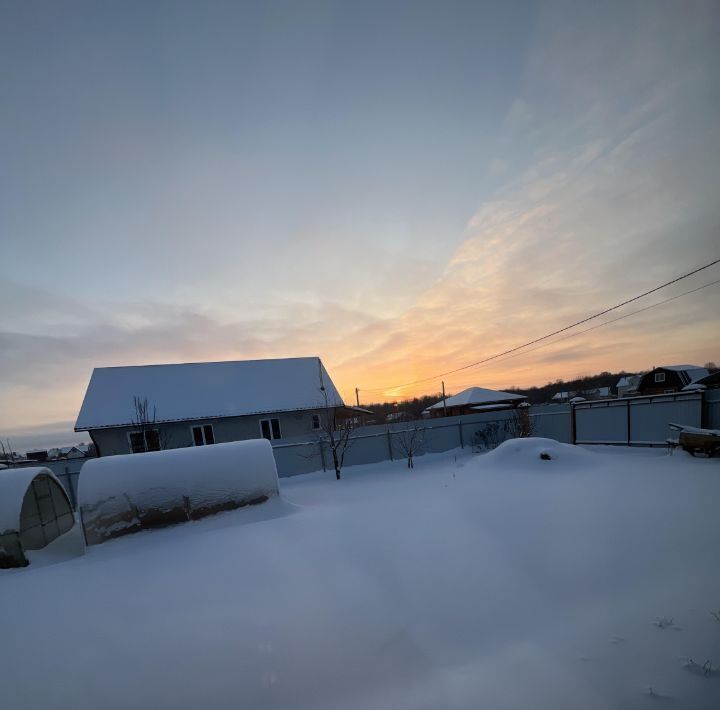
673	382
459	410
176	435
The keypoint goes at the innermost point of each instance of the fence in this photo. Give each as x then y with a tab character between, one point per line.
711	409
640	421
636	421
372	444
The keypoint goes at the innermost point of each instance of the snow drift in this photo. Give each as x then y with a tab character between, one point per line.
536	452
124	494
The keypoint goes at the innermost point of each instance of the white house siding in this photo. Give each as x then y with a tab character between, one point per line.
114	441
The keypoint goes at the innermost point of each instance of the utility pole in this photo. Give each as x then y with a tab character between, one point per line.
357	397
444	403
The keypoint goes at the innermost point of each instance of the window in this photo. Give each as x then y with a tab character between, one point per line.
142	441
659	377
203	435
316	421
270	428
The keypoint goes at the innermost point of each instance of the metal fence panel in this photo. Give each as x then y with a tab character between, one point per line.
554	424
301	457
640	421
650	416
712	409
368	449
604	422
439	438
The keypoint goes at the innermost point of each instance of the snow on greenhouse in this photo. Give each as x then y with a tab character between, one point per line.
124	494
34	511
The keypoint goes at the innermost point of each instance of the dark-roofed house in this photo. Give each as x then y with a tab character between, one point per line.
473	400
709	381
670	378
196	404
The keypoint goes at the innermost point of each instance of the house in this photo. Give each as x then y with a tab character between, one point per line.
71	452
670	378
37	455
467	402
627	385
710	381
596	393
151	407
590	393
87	450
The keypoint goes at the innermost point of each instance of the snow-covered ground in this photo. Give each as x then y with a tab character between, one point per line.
474	581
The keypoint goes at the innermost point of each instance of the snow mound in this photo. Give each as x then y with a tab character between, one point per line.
537	452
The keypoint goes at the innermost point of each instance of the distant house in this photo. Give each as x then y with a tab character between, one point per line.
196	404
596	393
65	452
87	450
670	378
582	395
37	455
710	381
627	385
474	399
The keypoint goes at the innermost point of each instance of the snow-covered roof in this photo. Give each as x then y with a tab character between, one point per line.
477	395
205	390
694	372
561	395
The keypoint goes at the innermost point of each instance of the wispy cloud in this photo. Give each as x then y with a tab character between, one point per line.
606	169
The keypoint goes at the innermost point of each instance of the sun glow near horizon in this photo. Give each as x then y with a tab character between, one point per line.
479	179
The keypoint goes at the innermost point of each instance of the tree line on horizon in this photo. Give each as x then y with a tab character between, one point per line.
539	394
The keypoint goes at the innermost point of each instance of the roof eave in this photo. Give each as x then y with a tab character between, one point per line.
94	427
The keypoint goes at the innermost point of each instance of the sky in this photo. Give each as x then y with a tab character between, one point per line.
400	188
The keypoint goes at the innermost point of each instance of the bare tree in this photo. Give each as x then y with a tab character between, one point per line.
7	453
489	436
145	423
521	425
410	442
335	433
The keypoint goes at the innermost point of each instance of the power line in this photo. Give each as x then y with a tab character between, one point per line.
609	322
556	332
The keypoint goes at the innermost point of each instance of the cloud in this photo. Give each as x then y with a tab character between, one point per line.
519	114
617	127
499	167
